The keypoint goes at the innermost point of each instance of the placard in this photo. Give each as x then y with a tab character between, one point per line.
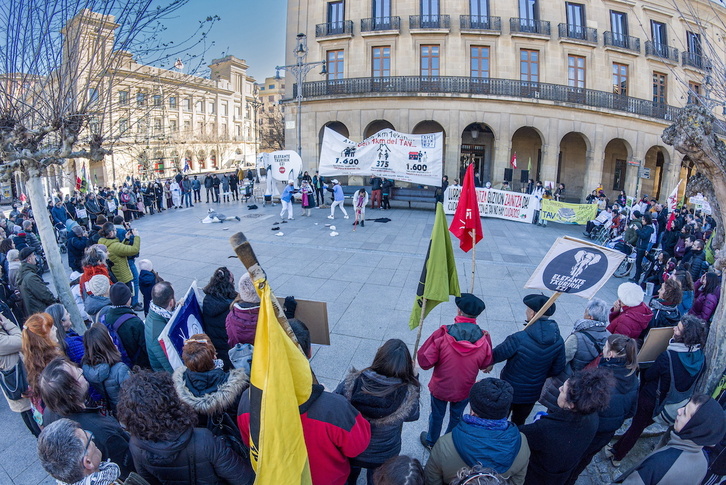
565	213
314	314
655	344
184	322
500	204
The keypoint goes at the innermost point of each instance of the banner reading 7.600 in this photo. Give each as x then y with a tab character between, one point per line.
387	154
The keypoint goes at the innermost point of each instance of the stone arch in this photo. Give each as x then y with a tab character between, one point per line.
431	126
188	158
336	126
202	158
375	126
656	162
572	163
477	147
617	174
158	162
213	159
527	143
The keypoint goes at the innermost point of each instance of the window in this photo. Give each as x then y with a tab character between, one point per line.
658	32
693	43
479	10
123	126
529	65
381	61
659	88
528	11
172	126
271	86
157	100
381	9
575	20
172	102
92	95
140	99
694	92
335	61
479	62
123	98
200	106
187	126
224	130
430	14
200	128
429	60
212	108
336	18
188	104
225	110
619	28
620	79
271	99
576	71
157	126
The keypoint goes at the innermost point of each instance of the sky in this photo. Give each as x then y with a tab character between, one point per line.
253	30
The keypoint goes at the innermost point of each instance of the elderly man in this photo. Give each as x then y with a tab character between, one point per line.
603	219
36	295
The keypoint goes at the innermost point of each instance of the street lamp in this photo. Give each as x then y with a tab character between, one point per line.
299	70
256	104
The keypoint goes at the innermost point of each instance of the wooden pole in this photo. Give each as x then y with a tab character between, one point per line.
420	328
473	259
542	310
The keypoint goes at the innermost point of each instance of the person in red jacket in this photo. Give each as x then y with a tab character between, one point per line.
456	352
629	315
334	430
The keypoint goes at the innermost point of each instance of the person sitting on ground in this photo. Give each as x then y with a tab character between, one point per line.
532	355
485	437
97	303
603	219
629	315
102	366
162	306
241	321
165	445
707	295
204	386
665	307
457	353
128	326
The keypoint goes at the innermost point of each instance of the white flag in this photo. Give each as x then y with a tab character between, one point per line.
179	64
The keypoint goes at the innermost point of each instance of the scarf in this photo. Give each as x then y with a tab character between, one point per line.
681	347
160	311
107	474
584	324
463	319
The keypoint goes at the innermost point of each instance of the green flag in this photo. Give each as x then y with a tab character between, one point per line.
529	165
438	277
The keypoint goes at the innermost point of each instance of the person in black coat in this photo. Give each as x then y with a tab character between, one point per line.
695	260
208	186
643	234
165	445
219	295
532	355
558	440
233	183
77	243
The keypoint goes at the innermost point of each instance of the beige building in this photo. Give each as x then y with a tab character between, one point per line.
581	91
270	115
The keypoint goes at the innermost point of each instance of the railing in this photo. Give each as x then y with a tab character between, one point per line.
376	24
696	60
479	22
343	27
489	87
577	32
429	22
662	51
621	41
529	26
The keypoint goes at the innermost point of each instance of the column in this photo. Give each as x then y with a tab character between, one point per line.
595	162
550	159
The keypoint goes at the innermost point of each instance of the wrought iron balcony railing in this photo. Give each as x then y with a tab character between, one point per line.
343	27
661	51
696	60
621	41
529	26
425	22
377	24
577	32
481	23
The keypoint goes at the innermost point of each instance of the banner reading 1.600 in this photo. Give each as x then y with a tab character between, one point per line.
501	204
388	154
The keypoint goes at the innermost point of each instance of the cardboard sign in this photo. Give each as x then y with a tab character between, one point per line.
314	314
575	267
655	344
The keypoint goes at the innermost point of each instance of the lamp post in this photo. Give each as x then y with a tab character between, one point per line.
256	104
299	70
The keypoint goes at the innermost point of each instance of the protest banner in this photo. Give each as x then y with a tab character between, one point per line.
184	322
567	213
388	154
500	204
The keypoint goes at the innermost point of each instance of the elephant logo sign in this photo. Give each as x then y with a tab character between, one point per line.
575	270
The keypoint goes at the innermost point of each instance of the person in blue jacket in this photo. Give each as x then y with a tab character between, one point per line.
339	201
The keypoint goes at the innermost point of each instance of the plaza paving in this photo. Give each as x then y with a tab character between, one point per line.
368	279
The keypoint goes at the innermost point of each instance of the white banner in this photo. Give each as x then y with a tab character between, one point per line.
575	267
388	154
501	204
285	164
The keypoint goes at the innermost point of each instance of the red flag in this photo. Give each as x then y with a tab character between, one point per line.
466	218
672	205
513	161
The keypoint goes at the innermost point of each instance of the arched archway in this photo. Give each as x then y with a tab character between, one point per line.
159	164
213	159
527	144
655	162
431	126
477	147
336	126
202	158
615	169
376	126
189	159
572	163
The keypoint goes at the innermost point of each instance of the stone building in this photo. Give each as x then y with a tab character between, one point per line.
581	91
270	117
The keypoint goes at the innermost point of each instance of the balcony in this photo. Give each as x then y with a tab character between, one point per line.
529	26
620	41
330	29
381	24
429	22
478	23
577	32
494	88
696	60
661	51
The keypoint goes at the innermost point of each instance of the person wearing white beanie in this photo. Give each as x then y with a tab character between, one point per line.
629	314
97	302
241	323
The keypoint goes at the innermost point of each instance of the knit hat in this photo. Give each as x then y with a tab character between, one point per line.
630	294
335	181
25	253
535	302
470	304
145	265
120	294
246	289
98	285
491	398
637	215
707	426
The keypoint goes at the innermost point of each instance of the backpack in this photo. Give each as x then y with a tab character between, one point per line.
667	406
113	332
223	427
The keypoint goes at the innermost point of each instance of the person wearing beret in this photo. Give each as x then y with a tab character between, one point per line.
532	355
456	352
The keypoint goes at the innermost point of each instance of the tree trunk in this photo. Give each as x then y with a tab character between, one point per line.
34	185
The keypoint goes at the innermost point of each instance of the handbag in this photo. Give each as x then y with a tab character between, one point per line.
14	382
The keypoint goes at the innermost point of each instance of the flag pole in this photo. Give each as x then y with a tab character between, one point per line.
473	259
542	310
420	328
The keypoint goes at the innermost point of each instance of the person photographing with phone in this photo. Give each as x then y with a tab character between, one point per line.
119	253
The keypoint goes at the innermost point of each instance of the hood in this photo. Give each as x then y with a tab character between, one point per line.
692	361
107	474
93	303
464	347
492	448
207	392
584	324
624	380
707	425
658	304
544	331
465	331
163	453
116	311
389	409
147	278
96	374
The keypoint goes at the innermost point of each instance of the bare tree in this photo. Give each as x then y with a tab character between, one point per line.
60	65
271	129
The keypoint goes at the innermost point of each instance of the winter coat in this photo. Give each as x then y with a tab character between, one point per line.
74	343
664	315
241	323
695	262
623	396
504	450
687	367
76	245
119	254
679	462
97	306
456	352
334	432
211	393
532	355
686	302
35	294
214	313
107	380
208	182
630	321
131	333
557	442
10	344
644	234
386	414
168	462
153	326
147	280
704	304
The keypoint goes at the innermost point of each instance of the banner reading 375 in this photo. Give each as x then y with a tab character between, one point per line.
388	154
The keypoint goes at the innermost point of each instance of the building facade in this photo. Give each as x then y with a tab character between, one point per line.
270	116
580	91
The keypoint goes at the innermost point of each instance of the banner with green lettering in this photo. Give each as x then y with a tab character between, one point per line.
567	213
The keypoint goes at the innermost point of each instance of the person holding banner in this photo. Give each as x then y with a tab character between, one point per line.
160	310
